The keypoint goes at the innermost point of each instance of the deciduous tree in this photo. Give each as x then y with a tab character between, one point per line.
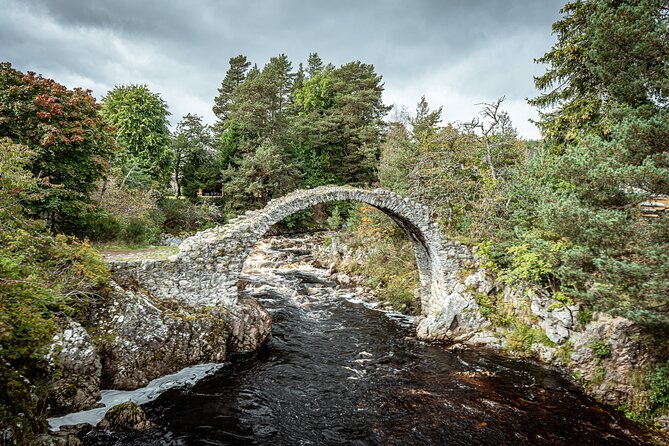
140	119
63	127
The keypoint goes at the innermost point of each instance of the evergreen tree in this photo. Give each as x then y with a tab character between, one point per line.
298	81
258	111
314	64
607	140
570	88
337	131
425	122
235	75
260	176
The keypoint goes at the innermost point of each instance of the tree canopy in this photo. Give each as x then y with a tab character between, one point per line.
606	148
140	119
71	143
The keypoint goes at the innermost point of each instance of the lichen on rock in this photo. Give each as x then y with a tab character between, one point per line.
142	338
76	370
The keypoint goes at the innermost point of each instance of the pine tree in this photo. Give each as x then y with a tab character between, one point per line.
337	132
425	122
607	140
314	64
235	75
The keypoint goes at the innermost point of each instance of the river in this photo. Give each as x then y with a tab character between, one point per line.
338	371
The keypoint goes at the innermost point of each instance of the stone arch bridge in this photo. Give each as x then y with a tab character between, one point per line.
208	266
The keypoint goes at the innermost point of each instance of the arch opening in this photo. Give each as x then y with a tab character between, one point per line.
412	233
222	251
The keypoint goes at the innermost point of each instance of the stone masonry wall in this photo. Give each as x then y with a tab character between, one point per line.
208	265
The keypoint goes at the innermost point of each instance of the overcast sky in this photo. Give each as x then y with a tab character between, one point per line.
455	52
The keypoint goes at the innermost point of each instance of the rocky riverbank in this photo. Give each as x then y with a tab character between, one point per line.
608	356
133	337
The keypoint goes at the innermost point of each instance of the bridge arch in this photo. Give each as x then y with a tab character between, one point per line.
217	255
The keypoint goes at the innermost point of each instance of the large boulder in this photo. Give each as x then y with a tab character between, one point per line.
126	416
250	325
142	338
610	356
76	370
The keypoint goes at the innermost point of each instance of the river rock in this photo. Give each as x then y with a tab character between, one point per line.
610	356
126	416
76	366
143	338
250	325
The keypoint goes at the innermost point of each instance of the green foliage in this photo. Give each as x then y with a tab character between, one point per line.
103	227
138	231
605	150
569	85
658	381
336	132
140	119
561	300
601	349
522	337
584	316
398	157
183	216
462	172
43	278
390	263
235	75
268	173
335	221
492	308
195	165
278	129
316	94
487	305
531	263
122	213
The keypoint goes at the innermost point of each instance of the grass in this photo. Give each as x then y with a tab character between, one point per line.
129	253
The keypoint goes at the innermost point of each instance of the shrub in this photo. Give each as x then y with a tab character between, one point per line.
102	227
658	381
390	263
601	349
184	216
43	279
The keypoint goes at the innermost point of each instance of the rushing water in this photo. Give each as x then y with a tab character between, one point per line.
337	371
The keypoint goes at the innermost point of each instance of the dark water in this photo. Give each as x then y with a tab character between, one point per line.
340	373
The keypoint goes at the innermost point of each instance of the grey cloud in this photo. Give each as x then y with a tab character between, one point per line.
189	43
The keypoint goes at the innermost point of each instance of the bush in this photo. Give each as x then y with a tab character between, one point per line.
185	216
658	380
102	227
390	263
44	279
138	231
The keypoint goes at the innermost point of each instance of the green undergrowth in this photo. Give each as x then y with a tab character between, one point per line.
44	280
389	262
